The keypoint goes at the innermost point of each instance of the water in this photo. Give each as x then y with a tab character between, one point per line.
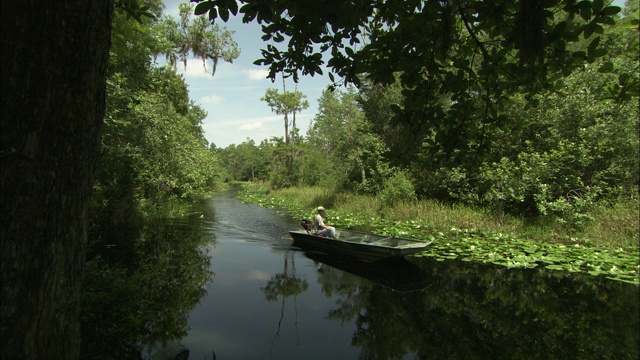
269	300
266	299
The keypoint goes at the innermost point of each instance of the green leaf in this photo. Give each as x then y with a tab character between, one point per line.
349	51
593	45
589	29
560	27
559	84
585	9
622	79
555	267
597	5
232	5
224	14
579	54
203	8
611	10
213	14
598	53
607	67
606	20
260	62
395	108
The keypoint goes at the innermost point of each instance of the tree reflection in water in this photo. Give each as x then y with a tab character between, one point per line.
140	286
472	310
448	309
285	284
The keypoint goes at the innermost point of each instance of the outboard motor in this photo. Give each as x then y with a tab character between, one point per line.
306	224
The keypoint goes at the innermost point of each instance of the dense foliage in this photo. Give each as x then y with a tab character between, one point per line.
153	144
546	127
527	105
143	276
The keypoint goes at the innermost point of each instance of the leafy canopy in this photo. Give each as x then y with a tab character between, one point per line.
196	37
444	46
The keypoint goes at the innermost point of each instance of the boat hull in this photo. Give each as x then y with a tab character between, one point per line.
363	246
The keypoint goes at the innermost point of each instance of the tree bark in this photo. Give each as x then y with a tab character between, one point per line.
54	61
293	124
286	112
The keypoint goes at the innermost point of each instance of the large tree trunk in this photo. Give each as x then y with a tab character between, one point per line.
54	60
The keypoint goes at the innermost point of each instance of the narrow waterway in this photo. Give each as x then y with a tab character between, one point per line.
269	300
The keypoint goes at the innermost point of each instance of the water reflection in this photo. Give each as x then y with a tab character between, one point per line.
141	284
270	300
284	285
396	273
417	308
484	312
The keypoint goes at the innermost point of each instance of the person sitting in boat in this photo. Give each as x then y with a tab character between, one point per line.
322	228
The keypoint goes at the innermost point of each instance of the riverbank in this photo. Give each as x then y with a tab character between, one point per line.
607	246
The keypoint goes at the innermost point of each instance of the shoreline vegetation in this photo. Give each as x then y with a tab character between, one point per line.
607	246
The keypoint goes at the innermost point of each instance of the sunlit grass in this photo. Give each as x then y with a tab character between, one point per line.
616	225
612	227
606	246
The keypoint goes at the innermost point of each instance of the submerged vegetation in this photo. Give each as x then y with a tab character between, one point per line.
474	235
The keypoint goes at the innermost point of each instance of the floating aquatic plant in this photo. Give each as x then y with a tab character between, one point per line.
488	247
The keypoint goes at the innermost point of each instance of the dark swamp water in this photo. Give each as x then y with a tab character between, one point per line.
242	291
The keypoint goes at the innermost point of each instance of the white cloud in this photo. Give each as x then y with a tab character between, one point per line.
256	74
195	69
251	126
223	130
211	99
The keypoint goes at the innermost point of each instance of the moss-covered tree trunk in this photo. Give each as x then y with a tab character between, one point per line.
54	60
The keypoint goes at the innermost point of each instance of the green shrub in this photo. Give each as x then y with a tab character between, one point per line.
398	188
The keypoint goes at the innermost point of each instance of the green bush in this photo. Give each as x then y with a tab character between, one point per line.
398	188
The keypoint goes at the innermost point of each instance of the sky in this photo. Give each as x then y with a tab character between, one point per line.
232	96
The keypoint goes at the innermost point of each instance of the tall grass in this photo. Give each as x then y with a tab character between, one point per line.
612	226
617	224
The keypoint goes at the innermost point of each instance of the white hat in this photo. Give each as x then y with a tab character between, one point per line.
320	208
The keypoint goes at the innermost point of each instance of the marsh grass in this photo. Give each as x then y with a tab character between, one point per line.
606	246
612	227
617	224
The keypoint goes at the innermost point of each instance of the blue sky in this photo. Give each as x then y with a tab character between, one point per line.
232	97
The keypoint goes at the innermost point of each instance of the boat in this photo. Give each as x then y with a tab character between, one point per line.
356	244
